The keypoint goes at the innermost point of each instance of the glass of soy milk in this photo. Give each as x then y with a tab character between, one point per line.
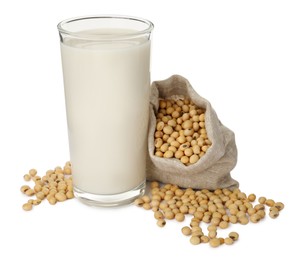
106	72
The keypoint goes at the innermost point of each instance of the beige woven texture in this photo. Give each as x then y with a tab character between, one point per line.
212	171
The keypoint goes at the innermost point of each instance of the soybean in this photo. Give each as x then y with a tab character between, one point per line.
215	242
180	217
158	215
27	206
27	177
195	240
279	205
234	235
161	222
228	241
186	231
274	213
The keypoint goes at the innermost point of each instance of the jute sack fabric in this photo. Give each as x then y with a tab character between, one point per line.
212	171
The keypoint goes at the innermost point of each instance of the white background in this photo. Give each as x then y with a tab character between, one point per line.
241	55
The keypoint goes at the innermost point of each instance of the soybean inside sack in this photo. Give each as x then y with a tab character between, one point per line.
212	171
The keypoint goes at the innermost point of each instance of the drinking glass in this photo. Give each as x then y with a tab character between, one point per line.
106	73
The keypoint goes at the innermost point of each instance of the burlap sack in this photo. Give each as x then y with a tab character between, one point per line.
212	171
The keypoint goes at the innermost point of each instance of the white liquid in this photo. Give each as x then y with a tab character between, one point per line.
107	102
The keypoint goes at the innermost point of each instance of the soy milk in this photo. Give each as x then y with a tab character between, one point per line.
107	101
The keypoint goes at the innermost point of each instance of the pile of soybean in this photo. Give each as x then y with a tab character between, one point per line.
181	131
219	209
55	186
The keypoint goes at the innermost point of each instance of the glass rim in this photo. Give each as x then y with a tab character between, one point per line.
150	26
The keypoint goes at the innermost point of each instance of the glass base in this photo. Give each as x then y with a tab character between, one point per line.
110	200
